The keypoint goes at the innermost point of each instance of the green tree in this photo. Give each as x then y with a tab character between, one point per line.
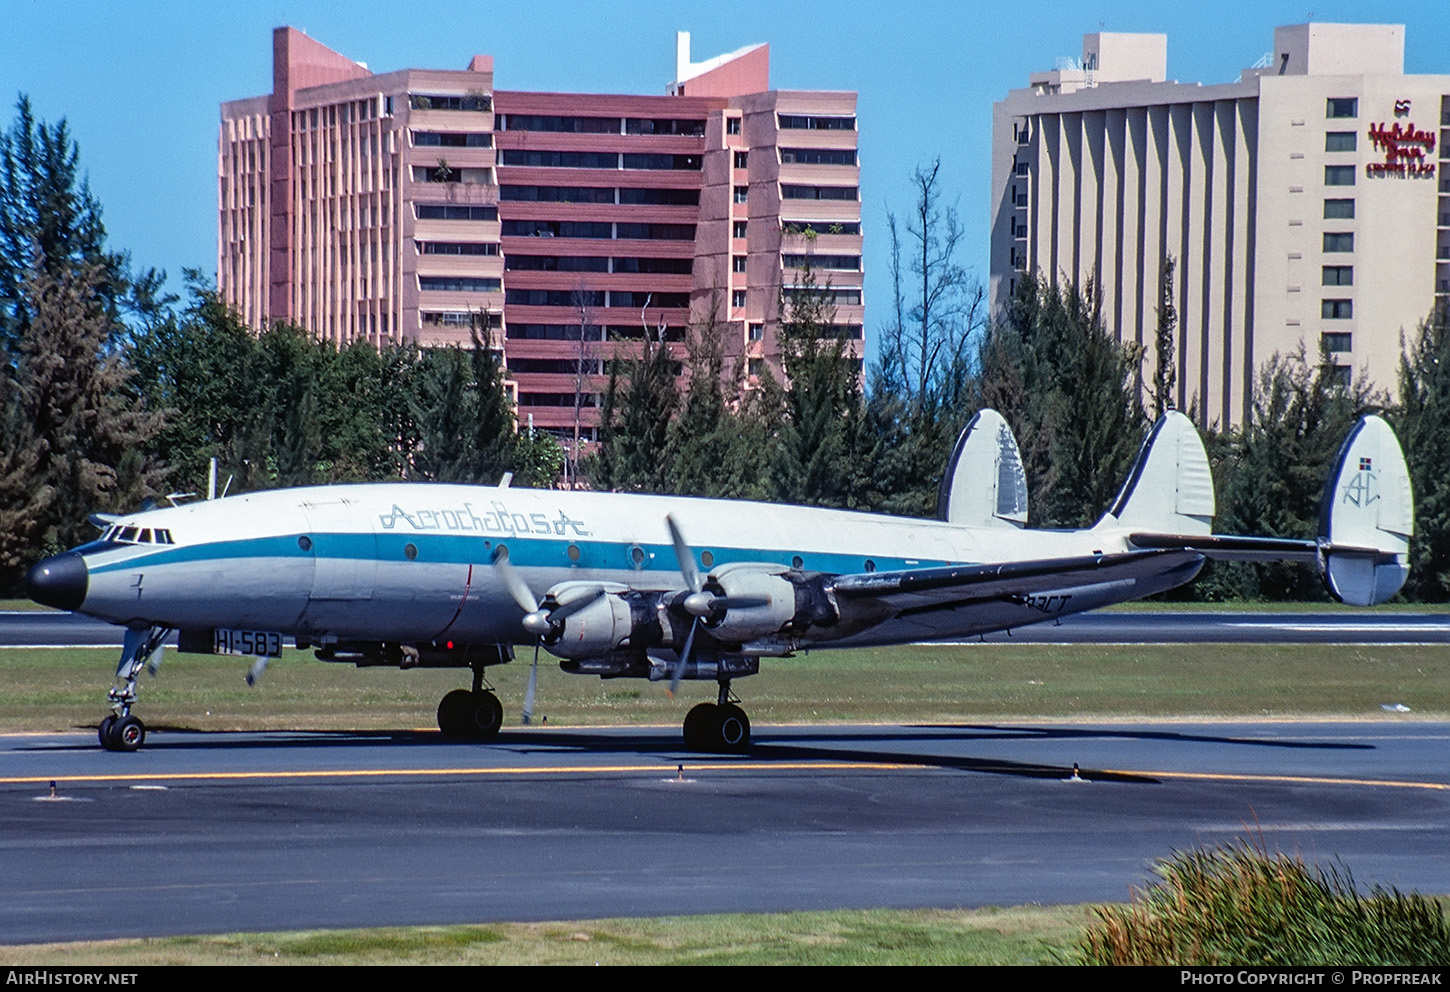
716	444
640	398
91	431
1276	467
1072	394
1165	371
50	222
819	458
1423	423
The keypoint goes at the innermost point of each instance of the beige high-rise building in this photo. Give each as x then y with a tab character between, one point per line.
1304	204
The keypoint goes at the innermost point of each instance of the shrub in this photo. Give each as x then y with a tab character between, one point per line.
1239	905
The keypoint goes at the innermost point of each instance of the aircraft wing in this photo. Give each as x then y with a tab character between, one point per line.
922	590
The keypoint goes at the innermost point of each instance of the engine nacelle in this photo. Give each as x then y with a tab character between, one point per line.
767	601
594	630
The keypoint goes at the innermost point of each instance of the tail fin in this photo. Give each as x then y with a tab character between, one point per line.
984	484
1367	516
1170	489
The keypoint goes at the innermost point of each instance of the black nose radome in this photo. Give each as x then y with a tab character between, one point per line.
60	581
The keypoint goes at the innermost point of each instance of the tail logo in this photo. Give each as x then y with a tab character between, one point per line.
1361	490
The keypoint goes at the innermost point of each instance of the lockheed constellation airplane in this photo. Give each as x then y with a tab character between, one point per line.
669	588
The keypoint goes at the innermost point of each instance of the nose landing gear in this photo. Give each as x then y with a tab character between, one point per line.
121	731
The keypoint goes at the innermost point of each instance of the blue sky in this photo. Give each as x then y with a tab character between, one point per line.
140	82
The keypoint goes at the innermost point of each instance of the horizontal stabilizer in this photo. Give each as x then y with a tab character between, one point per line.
1170	489
1367	516
984	484
1226	547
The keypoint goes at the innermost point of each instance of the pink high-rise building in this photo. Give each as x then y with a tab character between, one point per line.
423	205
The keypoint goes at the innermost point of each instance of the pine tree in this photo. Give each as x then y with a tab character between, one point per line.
1423	422
819	457
1072	394
91	432
50	222
640	398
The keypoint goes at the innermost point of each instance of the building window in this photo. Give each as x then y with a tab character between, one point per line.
1336	341
840	263
732	125
433	101
1342	106
738	229
790	122
737	264
1338	242
1343	374
458	284
1336	309
757	366
757	332
1021	168
742	160
741	192
1021	199
792	192
1338	209
737	298
1338	275
1339	141
1339	175
818	156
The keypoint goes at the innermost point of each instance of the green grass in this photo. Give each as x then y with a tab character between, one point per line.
1241	905
1026	935
63	689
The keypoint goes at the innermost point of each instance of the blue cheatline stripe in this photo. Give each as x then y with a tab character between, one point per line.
524	552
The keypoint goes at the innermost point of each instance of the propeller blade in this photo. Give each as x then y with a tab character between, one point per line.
679	671
258	667
533	687
515	584
684	556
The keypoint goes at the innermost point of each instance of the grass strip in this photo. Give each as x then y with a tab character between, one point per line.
1019	936
64	689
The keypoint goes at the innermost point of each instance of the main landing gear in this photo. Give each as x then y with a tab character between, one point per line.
473	715
722	727
121	731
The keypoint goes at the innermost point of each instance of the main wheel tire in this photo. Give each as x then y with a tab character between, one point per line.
453	717
104	731
732	729
128	734
484	715
697	723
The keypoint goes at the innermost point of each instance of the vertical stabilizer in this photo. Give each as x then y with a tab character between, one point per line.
1170	489
1367	516
984	484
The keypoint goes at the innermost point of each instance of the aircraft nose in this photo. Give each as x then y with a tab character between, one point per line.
60	581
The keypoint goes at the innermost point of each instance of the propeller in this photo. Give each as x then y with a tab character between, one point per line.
541	617
696	598
698	601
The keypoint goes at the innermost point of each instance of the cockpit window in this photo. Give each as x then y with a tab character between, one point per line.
137	535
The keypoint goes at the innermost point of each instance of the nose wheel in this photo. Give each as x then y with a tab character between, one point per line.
120	731
125	733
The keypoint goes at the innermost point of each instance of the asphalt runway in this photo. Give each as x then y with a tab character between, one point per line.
218	832
52	629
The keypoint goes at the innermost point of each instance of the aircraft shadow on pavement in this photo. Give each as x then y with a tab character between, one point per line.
765	751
